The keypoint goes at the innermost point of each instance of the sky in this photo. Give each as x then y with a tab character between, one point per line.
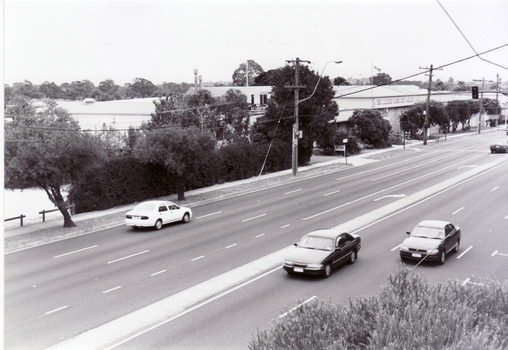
166	40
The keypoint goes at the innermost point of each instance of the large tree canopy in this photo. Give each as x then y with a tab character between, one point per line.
370	126
250	69
48	150
314	113
175	148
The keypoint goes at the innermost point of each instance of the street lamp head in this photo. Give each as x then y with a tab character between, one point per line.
338	62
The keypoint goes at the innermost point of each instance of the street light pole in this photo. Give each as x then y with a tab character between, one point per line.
296	125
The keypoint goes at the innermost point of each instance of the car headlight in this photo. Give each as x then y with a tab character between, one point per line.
288	262
404	248
315	266
432	251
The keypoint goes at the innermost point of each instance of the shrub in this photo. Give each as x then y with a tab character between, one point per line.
409	313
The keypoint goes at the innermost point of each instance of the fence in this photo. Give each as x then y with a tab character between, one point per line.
43	212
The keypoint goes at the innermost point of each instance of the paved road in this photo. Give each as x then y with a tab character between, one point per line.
100	277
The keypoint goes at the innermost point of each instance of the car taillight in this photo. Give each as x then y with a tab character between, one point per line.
128	216
144	218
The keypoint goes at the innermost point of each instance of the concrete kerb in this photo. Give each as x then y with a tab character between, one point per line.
175	305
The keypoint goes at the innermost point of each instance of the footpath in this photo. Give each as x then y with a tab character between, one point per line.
140	321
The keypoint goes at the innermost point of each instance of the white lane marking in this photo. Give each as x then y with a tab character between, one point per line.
298	190
112	289
261	235
465	251
157	325
495	252
285	226
129	256
467	166
199	257
397	247
55	310
390	196
506	217
75	251
468	280
255	217
297	306
495	188
456	211
207	215
331	193
157	273
380	191
231	246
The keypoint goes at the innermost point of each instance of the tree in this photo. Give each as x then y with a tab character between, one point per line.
264	78
234	117
177	149
337	81
315	113
381	79
107	89
47	149
242	72
143	88
413	120
370	126
79	90
50	90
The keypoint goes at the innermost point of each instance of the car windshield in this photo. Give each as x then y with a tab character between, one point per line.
314	242
145	207
428	232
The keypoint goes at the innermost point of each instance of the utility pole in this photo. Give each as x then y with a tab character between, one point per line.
296	132
427	109
481	104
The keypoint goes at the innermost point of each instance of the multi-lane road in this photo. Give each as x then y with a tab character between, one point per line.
57	291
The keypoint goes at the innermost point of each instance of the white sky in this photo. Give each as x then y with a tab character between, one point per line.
165	40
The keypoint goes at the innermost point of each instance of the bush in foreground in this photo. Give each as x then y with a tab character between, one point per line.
409	313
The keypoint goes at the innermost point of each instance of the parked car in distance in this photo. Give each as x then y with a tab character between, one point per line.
321	251
499	146
156	213
431	240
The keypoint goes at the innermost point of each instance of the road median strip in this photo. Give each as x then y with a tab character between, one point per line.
120	329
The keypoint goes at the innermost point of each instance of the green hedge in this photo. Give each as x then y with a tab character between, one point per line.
125	179
409	313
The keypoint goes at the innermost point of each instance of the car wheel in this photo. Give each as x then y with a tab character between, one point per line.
456	249
492	151
353	257
158	224
186	218
442	257
328	271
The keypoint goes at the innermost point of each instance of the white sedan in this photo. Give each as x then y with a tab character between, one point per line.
157	213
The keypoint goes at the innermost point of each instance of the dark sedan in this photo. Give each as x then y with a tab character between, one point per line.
321	251
431	240
499	146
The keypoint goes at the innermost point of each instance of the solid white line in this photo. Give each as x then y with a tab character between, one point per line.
207	215
297	306
456	211
112	289
331	193
285	226
501	254
298	190
260	235
157	273
127	257
465	251
255	217
192	308
231	246
199	257
55	310
397	247
76	251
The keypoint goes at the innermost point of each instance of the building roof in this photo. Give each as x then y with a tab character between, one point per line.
218	91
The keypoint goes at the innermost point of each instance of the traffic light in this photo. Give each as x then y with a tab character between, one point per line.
474	90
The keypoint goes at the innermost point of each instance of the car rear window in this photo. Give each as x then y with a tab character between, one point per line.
145	207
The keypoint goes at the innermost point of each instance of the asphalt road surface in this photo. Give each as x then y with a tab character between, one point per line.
57	291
